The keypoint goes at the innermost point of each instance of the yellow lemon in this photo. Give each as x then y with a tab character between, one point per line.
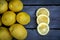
43	29
4	34
8	18
18	31
43	18
15	5
23	18
44	11
3	6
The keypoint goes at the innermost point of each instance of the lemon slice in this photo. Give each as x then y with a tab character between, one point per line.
43	29
43	18
44	11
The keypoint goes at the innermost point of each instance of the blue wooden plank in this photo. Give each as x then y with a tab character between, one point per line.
54	15
52	35
38	2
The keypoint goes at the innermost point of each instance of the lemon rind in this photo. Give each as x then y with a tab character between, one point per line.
40	9
40	26
45	16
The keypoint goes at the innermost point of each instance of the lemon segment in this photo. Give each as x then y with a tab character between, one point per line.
44	11
43	18
43	29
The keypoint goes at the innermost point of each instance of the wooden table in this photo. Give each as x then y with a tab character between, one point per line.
30	6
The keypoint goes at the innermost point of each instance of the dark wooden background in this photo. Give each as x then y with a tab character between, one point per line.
31	6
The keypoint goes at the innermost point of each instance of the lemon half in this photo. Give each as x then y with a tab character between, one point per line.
43	18
44	11
43	29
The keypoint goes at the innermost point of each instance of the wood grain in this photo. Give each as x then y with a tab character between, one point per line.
54	15
52	35
39	2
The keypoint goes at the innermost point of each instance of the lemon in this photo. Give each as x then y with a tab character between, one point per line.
8	18
3	6
23	18
44	11
4	34
43	29
43	18
18	31
15	5
0	21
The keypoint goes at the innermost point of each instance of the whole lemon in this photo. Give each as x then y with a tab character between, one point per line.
8	18
15	5
4	34
23	18
18	31
3	6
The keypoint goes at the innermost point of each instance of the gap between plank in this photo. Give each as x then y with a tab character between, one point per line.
41	4
50	28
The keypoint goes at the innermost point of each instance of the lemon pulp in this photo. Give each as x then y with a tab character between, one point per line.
43	18
44	11
43	28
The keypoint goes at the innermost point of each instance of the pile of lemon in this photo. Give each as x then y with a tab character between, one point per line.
43	21
9	18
